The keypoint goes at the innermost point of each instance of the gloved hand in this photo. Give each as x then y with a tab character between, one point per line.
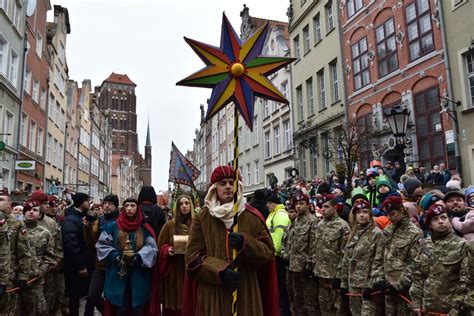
23	285
3	289
380	286
308	274
230	278
336	284
236	240
343	293
137	263
367	294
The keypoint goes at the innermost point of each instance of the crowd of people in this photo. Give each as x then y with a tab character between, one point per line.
386	243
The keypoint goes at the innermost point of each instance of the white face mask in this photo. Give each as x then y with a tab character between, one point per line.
19	217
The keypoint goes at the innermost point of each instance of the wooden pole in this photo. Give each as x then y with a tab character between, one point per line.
235	208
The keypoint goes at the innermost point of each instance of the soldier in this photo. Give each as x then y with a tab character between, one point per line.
32	298
399	245
440	271
18	254
5	261
328	242
286	250
304	288
359	255
469	300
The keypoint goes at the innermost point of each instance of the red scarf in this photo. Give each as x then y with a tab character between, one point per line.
126	224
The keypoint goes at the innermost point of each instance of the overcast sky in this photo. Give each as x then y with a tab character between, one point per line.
144	39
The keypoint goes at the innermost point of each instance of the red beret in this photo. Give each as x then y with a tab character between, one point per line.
39	196
223	172
4	192
391	203
52	201
28	205
300	197
435	210
361	205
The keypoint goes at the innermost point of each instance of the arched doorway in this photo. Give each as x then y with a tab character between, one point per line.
396	154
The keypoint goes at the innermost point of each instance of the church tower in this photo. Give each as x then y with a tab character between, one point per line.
148	145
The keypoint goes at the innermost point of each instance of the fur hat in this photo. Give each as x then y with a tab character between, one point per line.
79	198
147	194
223	172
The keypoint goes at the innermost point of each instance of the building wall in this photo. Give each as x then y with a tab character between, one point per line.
84	138
12	28
459	27
72	136
405	84
316	83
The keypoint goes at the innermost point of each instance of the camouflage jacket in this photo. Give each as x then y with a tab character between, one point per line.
5	260
55	229
286	243
440	274
299	237
399	245
20	253
43	249
469	300
356	268
328	242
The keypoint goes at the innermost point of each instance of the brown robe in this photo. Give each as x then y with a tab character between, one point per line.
172	284
209	253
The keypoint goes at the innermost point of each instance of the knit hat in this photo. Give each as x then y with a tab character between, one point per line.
112	198
273	198
469	191
411	184
131	200
453	193
259	194
435	210
79	198
382	180
361	205
39	196
147	194
358	193
429	199
375	163
453	185
223	172
372	173
391	203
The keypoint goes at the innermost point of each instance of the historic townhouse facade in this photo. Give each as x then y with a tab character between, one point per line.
84	145
393	57
73	127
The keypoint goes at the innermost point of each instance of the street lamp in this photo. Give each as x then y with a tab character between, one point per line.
398	120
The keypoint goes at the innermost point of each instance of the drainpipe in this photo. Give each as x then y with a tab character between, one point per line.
454	122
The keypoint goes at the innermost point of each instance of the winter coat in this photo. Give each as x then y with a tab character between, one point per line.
276	223
154	216
261	206
77	255
465	225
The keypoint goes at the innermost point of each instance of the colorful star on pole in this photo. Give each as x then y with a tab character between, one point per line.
236	72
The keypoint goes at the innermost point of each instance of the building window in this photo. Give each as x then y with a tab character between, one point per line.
39	142
266	108
317	28
267	145
470	75
284	89
43	99
32	139
310	95
360	64
27	82
306	39
39	44
249	180
429	128
13	74
296	44
334	81
364	124
35	94
419	28
257	172
23	123
255	130
248	139
329	17
327	162
386	48
353	6
287	131
299	101
60	163
3	57
277	145
322	89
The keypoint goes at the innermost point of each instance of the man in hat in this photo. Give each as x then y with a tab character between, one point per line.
399	245
209	255
440	271
328	242
78	259
413	189
152	213
456	204
286	244
300	262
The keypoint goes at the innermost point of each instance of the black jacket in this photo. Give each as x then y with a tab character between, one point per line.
154	216
261	205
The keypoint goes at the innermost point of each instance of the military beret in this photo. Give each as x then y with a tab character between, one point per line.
28	205
361	205
435	210
391	203
300	197
39	196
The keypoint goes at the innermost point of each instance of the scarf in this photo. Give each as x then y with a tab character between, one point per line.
223	212
126	224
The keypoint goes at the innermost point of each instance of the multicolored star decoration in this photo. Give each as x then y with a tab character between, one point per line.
236	71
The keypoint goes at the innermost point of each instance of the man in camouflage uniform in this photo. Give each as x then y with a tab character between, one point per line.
32	299
399	245
469	299
285	251
440	271
328	242
15	258
304	289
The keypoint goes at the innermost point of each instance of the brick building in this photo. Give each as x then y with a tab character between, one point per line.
393	56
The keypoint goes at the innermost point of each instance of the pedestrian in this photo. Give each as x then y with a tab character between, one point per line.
445	173
92	233
413	190
305	286
259	202
440	271
398	247
32	298
371	189
286	250
78	259
209	255
128	248
456	203
152	213
435	177
277	221
357	263
171	244
328	241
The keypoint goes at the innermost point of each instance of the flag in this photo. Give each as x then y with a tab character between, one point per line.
181	169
